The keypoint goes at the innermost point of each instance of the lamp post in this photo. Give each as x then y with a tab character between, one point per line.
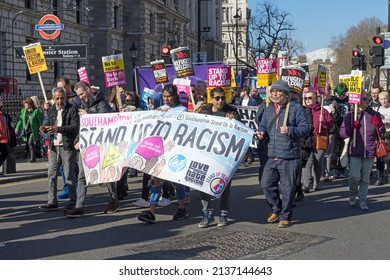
237	17
259	39
133	49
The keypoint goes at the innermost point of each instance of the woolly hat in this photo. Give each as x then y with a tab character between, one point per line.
281	85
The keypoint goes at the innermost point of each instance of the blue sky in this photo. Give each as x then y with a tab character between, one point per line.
316	22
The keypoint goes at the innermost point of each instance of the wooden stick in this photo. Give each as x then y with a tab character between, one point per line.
322	106
354	130
287	110
118	98
191	96
42	87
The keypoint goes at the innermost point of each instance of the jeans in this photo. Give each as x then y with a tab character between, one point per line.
224	200
64	181
328	155
359	172
311	173
279	181
155	192
67	158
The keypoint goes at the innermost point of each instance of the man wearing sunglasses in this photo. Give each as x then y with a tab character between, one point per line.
218	107
282	169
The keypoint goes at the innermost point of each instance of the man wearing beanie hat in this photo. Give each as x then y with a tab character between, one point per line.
283	137
281	85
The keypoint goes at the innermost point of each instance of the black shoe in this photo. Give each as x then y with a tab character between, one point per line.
180	214
33	160
112	207
69	207
300	196
147	216
122	195
48	207
250	160
75	213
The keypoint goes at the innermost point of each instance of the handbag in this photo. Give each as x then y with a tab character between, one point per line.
322	142
382	149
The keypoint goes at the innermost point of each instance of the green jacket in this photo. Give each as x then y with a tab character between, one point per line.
35	123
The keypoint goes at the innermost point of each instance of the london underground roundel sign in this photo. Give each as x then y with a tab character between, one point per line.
42	27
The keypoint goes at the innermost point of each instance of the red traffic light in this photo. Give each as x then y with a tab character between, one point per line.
165	50
378	40
356	53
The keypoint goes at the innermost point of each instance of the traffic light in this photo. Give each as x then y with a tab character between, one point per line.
356	59
165	50
377	52
166	54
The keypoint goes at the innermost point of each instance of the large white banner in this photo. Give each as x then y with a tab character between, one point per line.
196	150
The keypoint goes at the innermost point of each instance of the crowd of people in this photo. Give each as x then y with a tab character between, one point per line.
301	141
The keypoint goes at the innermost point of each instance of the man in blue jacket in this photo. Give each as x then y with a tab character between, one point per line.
283	140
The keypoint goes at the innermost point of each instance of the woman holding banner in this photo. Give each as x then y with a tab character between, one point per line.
171	102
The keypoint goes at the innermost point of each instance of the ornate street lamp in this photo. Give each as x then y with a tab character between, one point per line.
133	50
237	17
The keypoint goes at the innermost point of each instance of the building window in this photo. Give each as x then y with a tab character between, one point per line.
28	75
55	7
57	70
78	13
116	17
152	24
30	4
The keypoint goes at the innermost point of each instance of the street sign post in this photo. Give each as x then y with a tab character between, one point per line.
59	52
386	48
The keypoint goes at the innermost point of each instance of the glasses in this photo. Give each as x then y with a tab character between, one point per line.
308	98
217	98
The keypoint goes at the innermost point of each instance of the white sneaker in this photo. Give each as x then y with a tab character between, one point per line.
141	203
164	202
363	206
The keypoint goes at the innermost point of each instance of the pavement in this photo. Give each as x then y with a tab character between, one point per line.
26	170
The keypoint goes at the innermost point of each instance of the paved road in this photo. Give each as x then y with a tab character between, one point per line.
324	227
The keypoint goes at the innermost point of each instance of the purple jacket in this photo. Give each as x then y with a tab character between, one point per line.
366	135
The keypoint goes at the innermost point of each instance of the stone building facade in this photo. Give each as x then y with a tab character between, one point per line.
235	25
106	27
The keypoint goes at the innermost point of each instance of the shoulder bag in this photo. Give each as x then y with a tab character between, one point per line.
382	149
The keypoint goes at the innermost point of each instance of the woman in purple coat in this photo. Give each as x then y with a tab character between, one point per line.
361	150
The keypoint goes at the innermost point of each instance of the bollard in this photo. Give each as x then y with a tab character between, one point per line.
9	165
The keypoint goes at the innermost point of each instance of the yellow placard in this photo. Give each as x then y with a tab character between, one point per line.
35	58
113	63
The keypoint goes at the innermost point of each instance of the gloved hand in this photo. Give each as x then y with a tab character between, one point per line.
375	121
354	124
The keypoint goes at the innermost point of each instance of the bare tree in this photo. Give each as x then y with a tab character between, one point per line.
356	36
269	27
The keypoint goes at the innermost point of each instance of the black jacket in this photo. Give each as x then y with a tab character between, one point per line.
70	125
